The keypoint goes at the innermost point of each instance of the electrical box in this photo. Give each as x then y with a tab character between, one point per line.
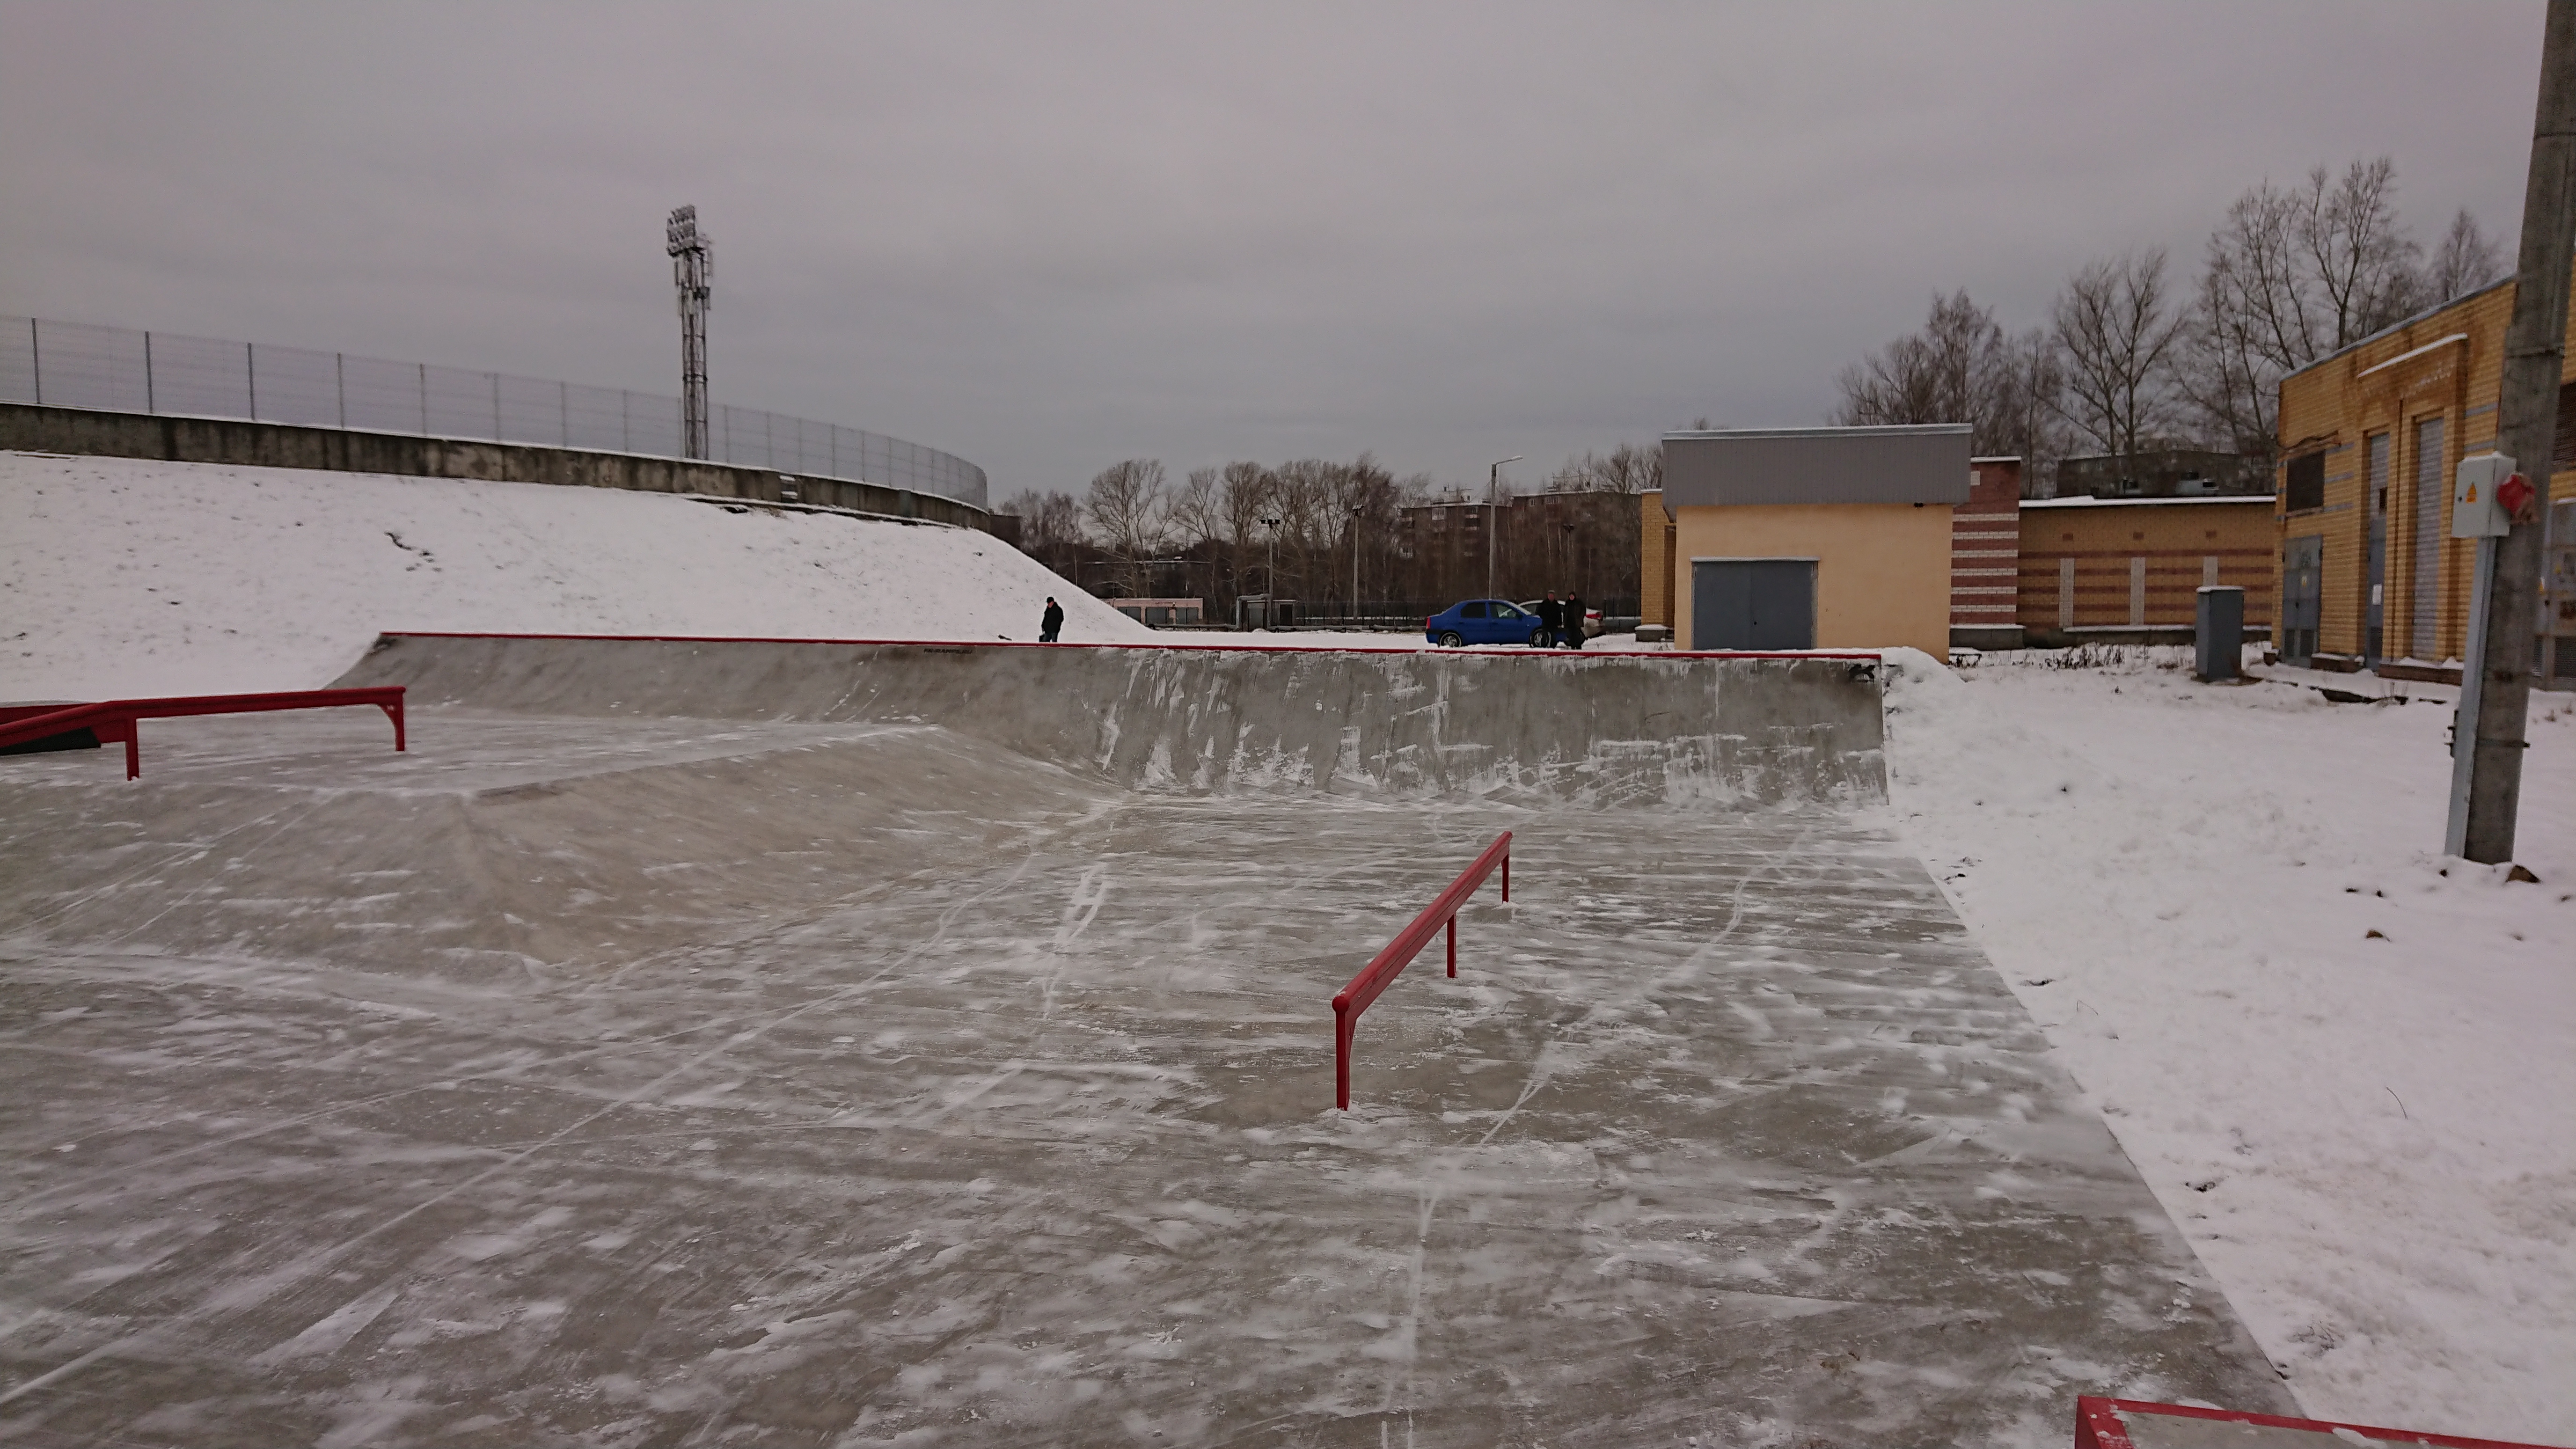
2474	510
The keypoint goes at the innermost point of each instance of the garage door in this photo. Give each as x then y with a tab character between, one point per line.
1753	603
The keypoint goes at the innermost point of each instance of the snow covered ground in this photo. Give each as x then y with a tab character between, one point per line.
124	577
2346	1065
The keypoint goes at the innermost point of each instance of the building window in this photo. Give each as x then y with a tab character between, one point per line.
2306	482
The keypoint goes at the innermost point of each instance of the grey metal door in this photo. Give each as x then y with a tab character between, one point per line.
2302	586
2375	640
1753	603
2432	515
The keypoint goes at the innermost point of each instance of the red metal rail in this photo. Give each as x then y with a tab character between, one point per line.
2098	1426
1515	652
1383	968
113	720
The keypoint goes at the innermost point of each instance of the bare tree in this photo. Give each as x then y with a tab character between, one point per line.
2365	263
2466	260
2025	420
2292	275
1126	506
1628	468
2115	329
1248	495
1196	513
1961	368
1050	529
1196	517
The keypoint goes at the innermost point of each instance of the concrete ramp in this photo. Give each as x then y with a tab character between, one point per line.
808	1044
1587	729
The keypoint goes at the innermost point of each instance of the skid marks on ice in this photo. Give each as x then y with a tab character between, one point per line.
1089	891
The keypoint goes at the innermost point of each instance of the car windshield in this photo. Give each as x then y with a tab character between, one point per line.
1506	611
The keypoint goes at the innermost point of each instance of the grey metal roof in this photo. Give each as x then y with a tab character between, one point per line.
1914	463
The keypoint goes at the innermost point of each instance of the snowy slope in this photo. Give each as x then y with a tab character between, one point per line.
126	577
2346	1065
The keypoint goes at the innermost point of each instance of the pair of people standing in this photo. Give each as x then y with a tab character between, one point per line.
1563	619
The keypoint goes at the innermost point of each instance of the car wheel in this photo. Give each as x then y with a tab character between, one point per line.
1450	641
1541	638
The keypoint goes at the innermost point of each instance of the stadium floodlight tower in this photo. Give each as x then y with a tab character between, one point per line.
693	271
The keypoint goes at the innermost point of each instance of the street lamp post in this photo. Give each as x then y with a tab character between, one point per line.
1356	511
1493	491
1270	580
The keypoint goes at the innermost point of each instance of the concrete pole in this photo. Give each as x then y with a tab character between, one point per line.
1493	497
2527	414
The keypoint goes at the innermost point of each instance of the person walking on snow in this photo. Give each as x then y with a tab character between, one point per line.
1051	621
1551	618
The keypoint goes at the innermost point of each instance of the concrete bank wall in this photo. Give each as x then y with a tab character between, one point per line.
26	427
1600	729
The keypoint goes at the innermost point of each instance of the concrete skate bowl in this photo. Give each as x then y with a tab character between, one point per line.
782	1043
1594	730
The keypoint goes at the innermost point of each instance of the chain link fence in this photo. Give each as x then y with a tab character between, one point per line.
114	369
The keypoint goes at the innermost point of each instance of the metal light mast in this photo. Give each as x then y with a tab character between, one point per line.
693	271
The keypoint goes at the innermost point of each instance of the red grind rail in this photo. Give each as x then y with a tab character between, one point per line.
2098	1426
113	720
1383	968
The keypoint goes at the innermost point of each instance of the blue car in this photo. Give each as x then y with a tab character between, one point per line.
1484	621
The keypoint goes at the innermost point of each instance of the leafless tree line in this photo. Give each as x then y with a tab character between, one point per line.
2130	359
1243	528
1297	529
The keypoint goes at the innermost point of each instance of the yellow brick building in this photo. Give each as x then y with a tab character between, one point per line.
2113	566
2366	569
1805	538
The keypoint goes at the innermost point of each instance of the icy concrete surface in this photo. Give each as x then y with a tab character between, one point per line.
668	1081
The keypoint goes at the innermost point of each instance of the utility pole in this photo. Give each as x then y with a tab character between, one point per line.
1493	492
693	271
2495	684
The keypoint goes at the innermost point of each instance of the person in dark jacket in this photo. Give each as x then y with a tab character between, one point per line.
1551	617
1573	630
1051	621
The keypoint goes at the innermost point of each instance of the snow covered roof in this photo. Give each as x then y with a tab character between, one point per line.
2263	498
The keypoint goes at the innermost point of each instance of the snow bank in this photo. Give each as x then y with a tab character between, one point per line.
2345	1064
124	577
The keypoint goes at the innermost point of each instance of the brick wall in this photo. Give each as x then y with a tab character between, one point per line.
1654	561
1985	547
2091	563
2444	367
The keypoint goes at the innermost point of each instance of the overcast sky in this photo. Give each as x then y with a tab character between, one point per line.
1047	237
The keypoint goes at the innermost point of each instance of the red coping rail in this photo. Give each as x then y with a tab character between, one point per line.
1874	655
113	720
2098	1426
1386	965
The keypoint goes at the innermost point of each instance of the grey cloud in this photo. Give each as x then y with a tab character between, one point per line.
1046	237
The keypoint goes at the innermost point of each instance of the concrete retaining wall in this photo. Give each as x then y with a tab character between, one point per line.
26	427
1599	729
